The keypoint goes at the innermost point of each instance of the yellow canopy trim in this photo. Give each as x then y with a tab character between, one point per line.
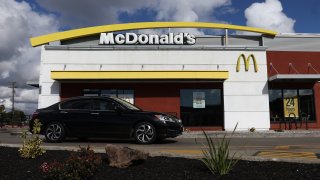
139	75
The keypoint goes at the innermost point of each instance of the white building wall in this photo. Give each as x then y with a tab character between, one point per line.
246	99
245	93
49	89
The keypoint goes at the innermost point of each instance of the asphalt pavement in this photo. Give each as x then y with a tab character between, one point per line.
290	146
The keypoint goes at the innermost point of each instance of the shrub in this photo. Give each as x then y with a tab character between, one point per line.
31	147
80	165
216	157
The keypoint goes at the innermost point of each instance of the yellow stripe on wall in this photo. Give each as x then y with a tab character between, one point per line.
117	75
76	33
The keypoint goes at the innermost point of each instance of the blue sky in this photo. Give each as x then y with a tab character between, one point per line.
22	19
306	14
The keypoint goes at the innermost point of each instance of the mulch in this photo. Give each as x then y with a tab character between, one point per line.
12	166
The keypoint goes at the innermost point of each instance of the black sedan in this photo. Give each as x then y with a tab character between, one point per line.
110	117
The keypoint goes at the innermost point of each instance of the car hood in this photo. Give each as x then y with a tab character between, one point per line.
152	113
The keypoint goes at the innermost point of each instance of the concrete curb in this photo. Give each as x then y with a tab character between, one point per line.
246	134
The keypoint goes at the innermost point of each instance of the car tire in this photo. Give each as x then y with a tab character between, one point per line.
54	132
144	133
160	139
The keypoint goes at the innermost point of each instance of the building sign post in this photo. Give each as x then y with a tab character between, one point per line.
199	100
290	106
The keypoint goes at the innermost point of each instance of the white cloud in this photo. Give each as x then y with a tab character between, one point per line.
187	10
26	95
18	60
5	92
25	99
269	15
82	13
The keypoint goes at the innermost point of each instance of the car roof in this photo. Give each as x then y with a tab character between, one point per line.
90	97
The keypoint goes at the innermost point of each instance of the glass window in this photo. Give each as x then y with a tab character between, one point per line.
305	103
109	92
76	105
127	104
201	107
290	93
91	92
276	104
306	100
104	105
125	94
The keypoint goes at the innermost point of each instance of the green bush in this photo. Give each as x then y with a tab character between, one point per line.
80	165
217	157
31	147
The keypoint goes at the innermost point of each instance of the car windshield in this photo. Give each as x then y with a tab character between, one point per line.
127	104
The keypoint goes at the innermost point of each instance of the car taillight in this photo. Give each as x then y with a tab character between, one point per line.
35	114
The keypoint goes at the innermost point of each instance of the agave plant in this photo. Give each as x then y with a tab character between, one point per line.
217	157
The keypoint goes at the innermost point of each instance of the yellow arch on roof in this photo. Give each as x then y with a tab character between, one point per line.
76	33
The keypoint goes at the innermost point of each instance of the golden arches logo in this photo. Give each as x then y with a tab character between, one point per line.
247	62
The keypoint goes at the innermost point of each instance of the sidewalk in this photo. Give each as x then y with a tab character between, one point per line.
16	130
256	134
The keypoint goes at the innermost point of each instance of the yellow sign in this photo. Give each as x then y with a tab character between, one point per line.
247	62
290	106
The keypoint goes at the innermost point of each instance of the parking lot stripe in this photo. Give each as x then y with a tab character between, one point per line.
287	154
183	151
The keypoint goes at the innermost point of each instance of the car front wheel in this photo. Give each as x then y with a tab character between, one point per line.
54	132
144	133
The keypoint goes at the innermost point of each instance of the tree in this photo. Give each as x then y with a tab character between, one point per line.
2	108
2	114
18	117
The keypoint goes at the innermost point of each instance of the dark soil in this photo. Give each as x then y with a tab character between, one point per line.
167	168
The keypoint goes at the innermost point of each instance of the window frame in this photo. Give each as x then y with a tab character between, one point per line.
298	95
73	100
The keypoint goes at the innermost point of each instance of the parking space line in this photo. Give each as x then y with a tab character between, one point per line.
183	151
287	154
282	147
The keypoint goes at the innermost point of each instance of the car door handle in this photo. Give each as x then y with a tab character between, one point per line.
63	112
95	113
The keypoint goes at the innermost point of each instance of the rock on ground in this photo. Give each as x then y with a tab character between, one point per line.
122	157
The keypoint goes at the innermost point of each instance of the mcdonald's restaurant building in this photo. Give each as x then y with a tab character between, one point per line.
260	81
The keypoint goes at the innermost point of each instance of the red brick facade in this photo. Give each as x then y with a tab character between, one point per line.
286	62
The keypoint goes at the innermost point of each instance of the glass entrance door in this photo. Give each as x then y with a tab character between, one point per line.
201	107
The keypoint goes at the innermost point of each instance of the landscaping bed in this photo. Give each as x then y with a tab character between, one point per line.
12	166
